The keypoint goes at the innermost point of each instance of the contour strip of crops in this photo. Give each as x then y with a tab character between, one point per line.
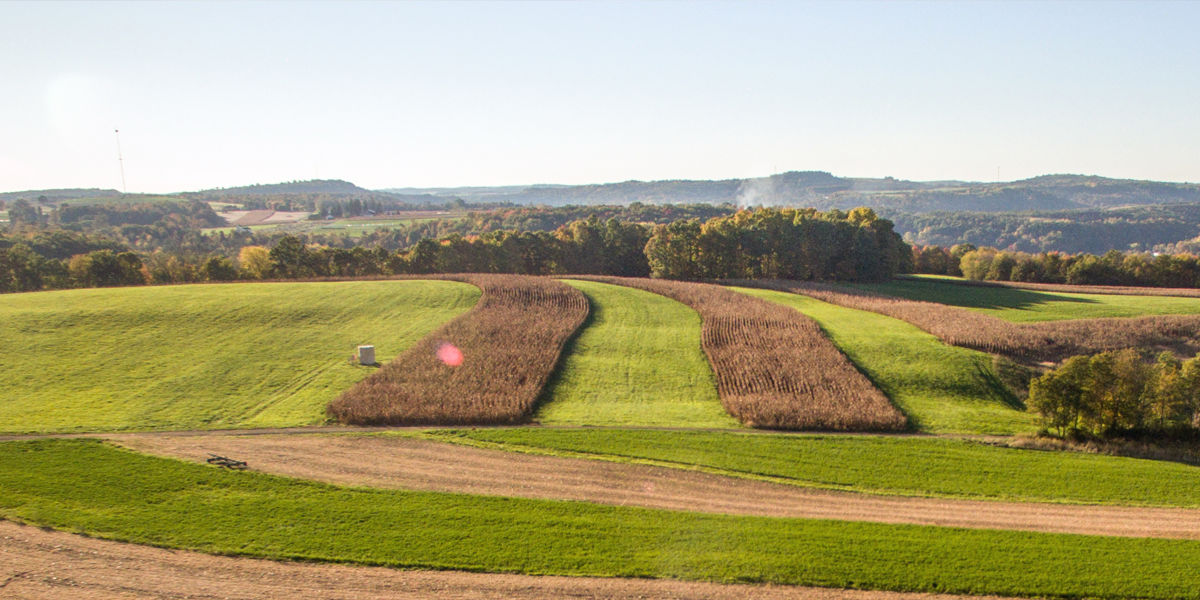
510	342
1114	290
774	366
1044	341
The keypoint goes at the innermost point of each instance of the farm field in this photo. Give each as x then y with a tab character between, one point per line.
353	227
87	486
873	464
35	557
203	356
417	463
1026	305
1051	341
638	473
637	361
487	367
774	367
941	388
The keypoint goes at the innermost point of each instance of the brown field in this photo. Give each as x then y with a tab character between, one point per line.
1045	341
510	343
37	564
774	367
407	463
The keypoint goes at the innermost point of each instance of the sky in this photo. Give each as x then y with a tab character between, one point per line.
412	94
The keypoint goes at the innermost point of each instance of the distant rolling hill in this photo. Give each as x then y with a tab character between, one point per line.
824	191
58	195
335	187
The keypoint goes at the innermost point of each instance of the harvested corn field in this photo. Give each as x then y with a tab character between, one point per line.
774	367
1044	341
487	366
1115	290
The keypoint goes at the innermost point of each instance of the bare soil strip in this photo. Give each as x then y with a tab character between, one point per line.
425	465
251	217
45	565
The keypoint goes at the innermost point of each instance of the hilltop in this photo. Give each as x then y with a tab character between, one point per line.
58	195
313	186
823	191
816	189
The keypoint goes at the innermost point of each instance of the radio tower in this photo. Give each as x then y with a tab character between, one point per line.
120	161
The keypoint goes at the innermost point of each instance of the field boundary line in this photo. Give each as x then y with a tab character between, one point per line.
749	475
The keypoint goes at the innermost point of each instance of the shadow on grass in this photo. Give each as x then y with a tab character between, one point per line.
968	294
556	376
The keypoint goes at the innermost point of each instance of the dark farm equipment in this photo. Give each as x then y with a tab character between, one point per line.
225	461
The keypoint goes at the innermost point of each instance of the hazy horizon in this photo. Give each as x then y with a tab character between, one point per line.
491	94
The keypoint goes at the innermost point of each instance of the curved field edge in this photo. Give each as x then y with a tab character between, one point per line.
774	367
88	487
871	464
941	388
1027	304
636	361
1023	342
489	365
203	356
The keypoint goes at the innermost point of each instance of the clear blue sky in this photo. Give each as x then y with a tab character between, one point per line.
385	94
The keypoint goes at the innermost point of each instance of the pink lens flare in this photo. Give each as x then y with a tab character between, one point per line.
450	354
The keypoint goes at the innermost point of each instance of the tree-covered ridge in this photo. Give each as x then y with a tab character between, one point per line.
825	191
58	194
1096	231
312	186
766	243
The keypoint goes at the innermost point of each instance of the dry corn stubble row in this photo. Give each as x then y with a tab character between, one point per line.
774	367
510	342
1117	290
1046	341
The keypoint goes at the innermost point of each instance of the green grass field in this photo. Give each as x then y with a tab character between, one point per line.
1023	306
876	464
203	356
942	388
637	361
88	487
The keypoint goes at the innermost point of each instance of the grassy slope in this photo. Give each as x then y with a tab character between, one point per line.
1022	306
911	466
637	361
201	356
88	487
942	388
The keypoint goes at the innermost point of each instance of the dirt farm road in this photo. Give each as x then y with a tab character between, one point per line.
50	565
408	463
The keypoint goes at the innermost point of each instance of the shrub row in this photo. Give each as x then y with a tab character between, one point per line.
1118	392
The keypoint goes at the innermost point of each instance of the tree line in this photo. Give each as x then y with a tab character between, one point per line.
1119	393
1111	268
763	243
1139	228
